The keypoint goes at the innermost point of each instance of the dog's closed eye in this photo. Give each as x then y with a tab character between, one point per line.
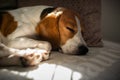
70	29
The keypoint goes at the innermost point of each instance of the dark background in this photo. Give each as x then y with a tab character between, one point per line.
111	20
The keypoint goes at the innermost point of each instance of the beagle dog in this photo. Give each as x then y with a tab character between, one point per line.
27	35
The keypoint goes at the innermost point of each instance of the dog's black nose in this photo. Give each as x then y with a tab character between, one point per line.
82	50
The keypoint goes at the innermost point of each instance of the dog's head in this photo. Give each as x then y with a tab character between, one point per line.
62	28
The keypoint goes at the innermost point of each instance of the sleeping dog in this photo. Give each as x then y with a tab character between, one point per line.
27	35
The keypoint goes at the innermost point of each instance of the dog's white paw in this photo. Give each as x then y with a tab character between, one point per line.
31	57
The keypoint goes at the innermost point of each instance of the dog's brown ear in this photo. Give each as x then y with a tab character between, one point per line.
47	30
46	11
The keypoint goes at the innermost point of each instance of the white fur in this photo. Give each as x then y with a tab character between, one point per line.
27	18
28	14
71	46
56	13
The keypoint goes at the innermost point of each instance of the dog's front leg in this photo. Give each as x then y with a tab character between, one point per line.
5	51
27	52
24	42
24	57
6	56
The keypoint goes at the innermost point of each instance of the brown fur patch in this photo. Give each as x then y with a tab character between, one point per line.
47	30
8	25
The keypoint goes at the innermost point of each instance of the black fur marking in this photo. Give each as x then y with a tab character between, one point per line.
46	11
